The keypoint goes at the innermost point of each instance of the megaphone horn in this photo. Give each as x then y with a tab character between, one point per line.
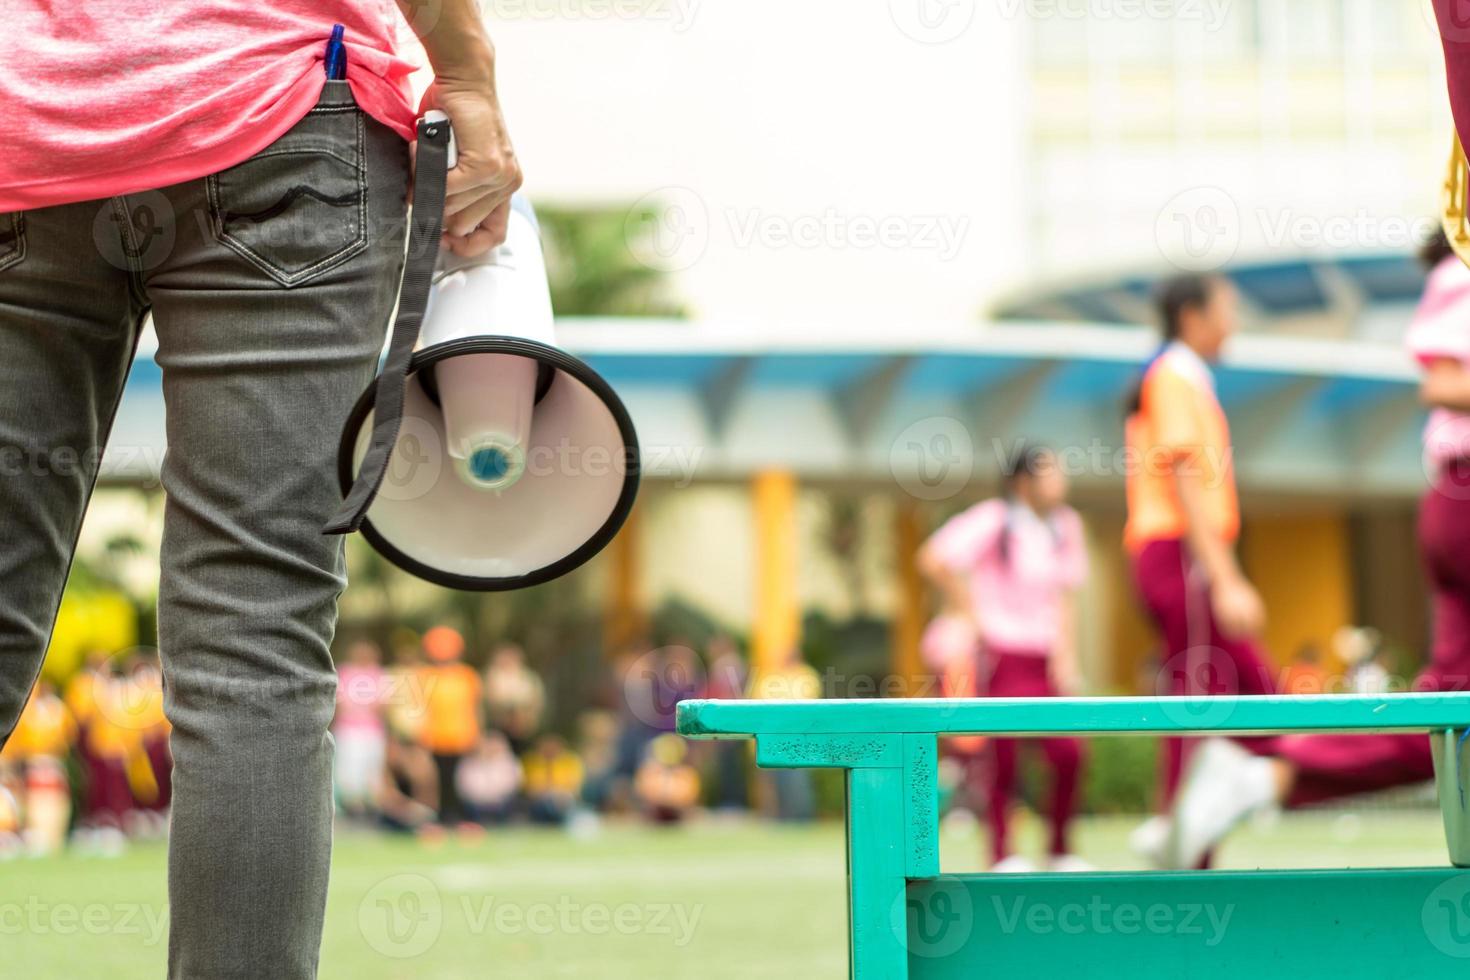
484	457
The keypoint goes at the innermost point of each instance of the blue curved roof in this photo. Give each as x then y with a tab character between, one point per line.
1271	290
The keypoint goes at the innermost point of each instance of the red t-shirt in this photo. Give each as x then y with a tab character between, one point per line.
113	97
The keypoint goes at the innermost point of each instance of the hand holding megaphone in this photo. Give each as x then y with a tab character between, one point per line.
486	173
486	398
499	461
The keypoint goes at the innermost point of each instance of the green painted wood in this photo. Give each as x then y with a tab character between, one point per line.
864	751
907	921
1412	924
875	869
921	805
1452	779
1102	716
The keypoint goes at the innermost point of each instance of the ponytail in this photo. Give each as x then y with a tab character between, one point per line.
1435	250
1026	459
1174	298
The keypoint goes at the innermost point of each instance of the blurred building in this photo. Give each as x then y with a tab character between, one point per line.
1082	149
1242	129
910	233
1009	143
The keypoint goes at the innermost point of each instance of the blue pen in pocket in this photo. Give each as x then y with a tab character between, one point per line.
336	59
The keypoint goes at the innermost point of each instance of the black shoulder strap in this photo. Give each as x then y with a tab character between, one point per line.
426	226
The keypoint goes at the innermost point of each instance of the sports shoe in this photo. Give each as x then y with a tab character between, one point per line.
1225	785
1150	839
1069	864
1013	865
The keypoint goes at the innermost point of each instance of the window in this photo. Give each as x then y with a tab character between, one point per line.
1313	30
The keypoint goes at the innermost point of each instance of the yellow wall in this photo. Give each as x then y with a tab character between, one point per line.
1302	566
1300	562
752	555
625	620
1126	639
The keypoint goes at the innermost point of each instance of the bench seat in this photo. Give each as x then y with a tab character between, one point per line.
906	920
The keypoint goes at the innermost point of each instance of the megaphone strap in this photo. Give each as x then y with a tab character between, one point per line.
425	229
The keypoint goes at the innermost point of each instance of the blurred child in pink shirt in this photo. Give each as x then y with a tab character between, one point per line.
1010	568
361	728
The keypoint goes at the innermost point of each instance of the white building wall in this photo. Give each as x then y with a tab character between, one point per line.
794	136
989	145
1253	129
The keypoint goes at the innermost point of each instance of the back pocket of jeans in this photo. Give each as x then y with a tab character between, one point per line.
298	207
12	239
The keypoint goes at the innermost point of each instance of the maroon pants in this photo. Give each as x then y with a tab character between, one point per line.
1329	766
1198	658
162	762
1015	675
109	797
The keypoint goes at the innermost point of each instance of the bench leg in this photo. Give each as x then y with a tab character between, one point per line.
921	805
1452	780
877	914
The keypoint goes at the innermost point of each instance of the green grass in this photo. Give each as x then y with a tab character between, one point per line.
719	901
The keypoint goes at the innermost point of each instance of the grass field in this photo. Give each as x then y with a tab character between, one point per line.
718	901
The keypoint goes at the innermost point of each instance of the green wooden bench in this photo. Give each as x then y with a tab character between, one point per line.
908	920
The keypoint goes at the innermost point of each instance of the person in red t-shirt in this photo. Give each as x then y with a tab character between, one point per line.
202	162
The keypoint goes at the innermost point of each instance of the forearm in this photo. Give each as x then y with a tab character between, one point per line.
1066	650
1065	665
956	591
1447	385
455	39
486	172
953	588
1213	552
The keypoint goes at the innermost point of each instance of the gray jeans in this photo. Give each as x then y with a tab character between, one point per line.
271	286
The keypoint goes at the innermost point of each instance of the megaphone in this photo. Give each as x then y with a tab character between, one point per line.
513	462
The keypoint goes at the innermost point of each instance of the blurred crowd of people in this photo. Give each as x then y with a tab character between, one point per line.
89	762
653	684
430	744
426	743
